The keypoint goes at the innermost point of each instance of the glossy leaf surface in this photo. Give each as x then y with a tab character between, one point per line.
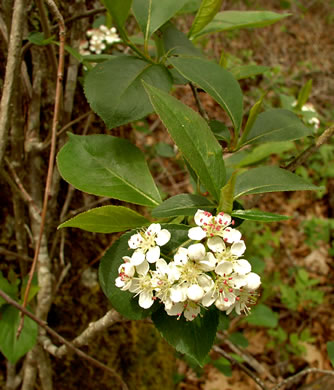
207	11
108	166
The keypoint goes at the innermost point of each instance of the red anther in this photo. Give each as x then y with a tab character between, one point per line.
225	299
229	278
205	224
225	281
221	213
230	290
237	298
154	298
193	316
221	290
225	239
228	230
201	220
205	229
233	222
211	234
225	223
217	228
220	221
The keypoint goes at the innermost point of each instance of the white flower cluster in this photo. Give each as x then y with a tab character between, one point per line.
206	273
99	38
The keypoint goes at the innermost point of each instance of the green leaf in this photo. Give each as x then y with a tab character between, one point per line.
193	338
216	81
107	219
226	195
276	125
164	150
223	365
190	7
9	288
207	11
232	20
96	58
262	315
123	301
119	100
194	138
239	339
177	43
152	14
270	179
11	346
246	71
182	204
118	9
258	215
330	350
220	131
263	151
304	94
108	166
37	38
253	114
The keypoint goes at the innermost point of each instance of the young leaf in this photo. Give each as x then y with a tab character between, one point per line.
232	20
277	125
108	166
194	138
152	14
270	179
119	100
223	365
220	131
216	81
11	346
258	215
119	10
262	315
193	338
37	38
107	219
205	14
253	114
226	195
182	204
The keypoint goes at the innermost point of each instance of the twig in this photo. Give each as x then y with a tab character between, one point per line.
46	30
302	157
94	328
21	190
249	359
199	103
84	15
292	378
14	254
52	149
69	345
255	378
12	67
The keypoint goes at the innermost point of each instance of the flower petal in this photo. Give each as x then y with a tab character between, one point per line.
196	252
238	248
224	268
135	241
163	237
242	267
137	257
143	268
196	233
181	256
231	235
216	244
153	254
146	299
253	281
195	292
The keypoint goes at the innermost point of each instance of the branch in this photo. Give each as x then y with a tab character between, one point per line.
52	149
69	345
255	378
300	374
302	157
12	68
199	103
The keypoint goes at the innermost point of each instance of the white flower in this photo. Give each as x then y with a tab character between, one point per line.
96	46
208	263
181	256
253	281
126	272
83	46
210	226
142	286
189	309
243	299
195	292
196	252
147	244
